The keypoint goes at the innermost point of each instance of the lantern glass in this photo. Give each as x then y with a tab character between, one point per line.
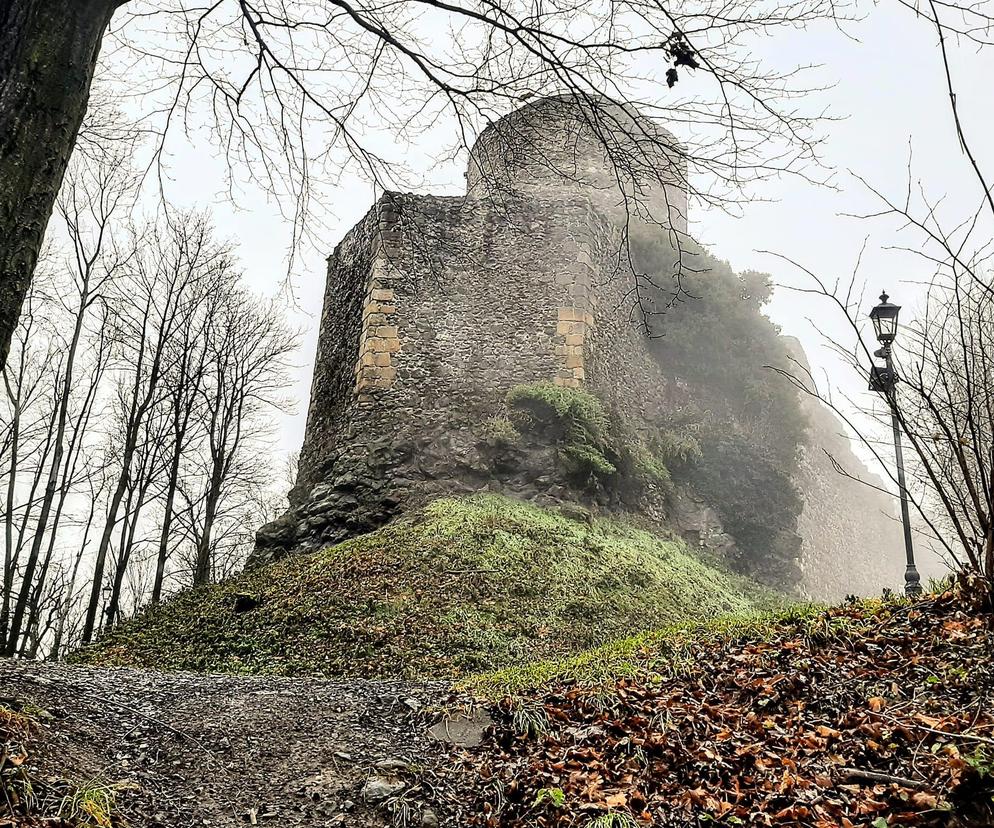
884	318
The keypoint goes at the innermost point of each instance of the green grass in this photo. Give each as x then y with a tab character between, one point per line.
661	652
465	586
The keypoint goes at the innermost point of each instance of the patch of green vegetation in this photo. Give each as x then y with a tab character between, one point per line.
464	586
28	799
596	449
90	805
746	416
659	652
574	418
647	466
499	431
18	796
613	819
577	411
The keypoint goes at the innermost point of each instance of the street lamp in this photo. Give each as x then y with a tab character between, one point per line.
883	380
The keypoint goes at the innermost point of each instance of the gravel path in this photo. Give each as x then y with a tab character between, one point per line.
196	750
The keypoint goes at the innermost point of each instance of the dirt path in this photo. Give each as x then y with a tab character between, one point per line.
223	751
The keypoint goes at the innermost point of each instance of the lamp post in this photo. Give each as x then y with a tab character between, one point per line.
883	380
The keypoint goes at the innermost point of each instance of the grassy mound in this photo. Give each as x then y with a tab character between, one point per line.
467	585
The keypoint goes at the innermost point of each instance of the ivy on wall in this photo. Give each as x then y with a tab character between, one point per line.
746	417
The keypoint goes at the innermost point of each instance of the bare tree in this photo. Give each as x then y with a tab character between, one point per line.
184	383
26	420
248	348
48	53
91	198
144	484
65	633
944	399
297	92
147	316
138	387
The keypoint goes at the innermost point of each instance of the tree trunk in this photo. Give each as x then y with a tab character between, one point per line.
9	562
124	556
89	623
160	564
48	52
202	569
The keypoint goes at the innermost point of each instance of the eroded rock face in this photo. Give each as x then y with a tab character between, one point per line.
699	523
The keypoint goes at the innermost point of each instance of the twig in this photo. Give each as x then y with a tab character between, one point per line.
884	778
948	733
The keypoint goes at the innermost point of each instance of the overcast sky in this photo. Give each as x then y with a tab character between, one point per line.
887	89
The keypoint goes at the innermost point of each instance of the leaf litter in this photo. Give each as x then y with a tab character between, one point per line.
873	713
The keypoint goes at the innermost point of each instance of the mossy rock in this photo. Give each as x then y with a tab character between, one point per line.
465	585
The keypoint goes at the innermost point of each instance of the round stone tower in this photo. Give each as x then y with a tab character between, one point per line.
628	165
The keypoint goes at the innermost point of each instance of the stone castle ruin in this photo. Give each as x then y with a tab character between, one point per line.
437	307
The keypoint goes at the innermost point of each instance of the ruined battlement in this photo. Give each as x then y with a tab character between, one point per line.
436	307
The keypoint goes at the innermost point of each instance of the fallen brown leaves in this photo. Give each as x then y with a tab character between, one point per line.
868	715
16	728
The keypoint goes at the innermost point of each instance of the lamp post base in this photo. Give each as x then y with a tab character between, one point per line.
912	582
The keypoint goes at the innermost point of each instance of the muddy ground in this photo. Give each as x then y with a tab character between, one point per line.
206	750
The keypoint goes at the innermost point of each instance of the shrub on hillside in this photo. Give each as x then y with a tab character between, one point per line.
572	418
597	449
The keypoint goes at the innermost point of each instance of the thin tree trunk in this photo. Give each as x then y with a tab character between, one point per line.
124	557
9	562
101	561
160	565
123	553
52	485
123	485
70	594
48	53
202	572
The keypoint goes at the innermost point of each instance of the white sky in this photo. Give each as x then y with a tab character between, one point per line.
887	86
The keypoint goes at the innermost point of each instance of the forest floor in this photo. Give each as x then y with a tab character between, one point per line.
177	750
872	714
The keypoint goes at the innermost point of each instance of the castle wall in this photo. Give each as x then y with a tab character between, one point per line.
620	367
435	309
852	538
332	386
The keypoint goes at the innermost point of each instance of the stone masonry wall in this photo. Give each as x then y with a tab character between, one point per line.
436	307
428	322
349	269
